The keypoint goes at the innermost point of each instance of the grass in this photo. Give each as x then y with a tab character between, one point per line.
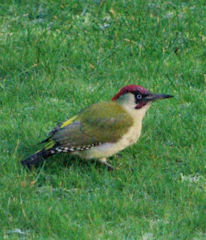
58	57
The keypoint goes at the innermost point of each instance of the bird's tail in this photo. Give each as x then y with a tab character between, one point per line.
37	158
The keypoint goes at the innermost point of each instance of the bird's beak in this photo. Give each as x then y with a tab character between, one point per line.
153	97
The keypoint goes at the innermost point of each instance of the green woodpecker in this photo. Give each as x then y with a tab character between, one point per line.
102	129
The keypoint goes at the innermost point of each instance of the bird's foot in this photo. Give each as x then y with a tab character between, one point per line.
104	161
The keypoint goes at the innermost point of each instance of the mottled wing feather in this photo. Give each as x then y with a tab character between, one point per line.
62	125
73	136
100	123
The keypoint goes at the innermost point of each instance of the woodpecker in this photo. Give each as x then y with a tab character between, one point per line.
102	129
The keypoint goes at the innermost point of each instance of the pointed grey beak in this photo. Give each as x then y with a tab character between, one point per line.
153	97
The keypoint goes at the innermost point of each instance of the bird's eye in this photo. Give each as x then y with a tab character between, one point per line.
138	96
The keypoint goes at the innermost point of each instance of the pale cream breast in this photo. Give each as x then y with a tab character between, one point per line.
108	149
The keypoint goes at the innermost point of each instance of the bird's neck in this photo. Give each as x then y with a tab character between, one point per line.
128	103
137	114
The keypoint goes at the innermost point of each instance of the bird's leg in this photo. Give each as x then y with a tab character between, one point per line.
104	161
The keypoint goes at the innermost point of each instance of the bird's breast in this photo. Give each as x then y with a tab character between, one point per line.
130	137
108	149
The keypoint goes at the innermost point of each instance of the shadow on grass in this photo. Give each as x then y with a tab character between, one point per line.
63	160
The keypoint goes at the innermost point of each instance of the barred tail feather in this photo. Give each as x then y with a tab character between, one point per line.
37	158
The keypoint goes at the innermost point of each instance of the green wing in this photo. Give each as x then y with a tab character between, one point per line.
100	123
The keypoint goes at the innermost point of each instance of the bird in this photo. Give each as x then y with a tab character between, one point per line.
100	130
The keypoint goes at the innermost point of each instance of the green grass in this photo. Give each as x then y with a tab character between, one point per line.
57	57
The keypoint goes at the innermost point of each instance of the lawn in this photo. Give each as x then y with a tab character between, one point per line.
56	58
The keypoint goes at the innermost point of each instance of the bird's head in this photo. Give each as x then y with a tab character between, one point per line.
137	97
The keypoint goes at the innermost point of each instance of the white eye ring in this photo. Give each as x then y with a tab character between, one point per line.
139	96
